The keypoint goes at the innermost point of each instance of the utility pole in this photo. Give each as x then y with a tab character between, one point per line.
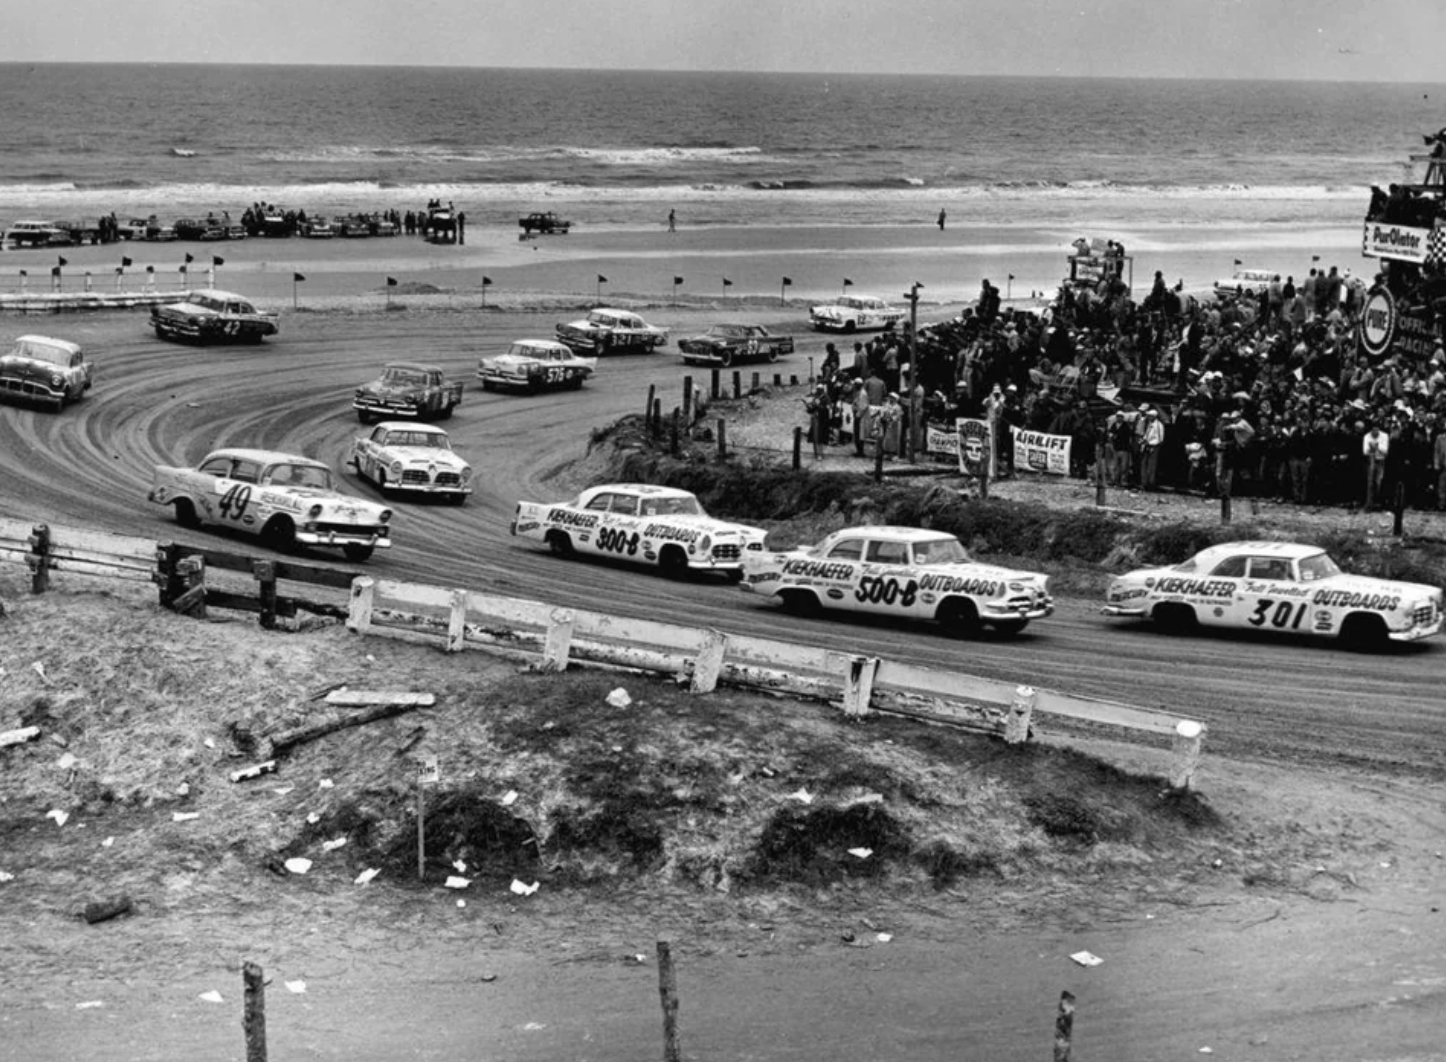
913	296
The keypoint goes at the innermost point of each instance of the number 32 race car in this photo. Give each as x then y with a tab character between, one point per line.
901	571
639	522
1276	586
285	499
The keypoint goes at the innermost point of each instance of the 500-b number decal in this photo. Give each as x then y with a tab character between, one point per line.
616	540
886	590
1280	614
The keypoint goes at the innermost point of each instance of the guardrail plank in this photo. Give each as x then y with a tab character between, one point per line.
948	685
1106	712
647	632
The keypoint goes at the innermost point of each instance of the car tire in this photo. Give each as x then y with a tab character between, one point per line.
445	414
673	562
1364	633
772	354
457	498
280	534
356	552
800	602
725	358
1175	618
959	616
186	513
487	385
383	488
560	543
1010	628
850	327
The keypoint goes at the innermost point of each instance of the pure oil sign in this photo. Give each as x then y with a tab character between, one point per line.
1388	328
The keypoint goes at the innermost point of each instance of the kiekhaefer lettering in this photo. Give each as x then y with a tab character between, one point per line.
818	569
1196	587
953	584
665	533
1349	599
571	519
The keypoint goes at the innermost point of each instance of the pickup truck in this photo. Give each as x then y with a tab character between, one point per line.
407	389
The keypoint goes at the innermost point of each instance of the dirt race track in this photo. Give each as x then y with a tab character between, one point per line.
1316	977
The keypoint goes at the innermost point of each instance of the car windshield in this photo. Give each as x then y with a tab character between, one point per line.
29	348
672	507
434	440
209	302
289	475
397	375
941	551
602	319
1320	566
729	331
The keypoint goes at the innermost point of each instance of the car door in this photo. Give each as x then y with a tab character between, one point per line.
883	585
232	499
369	453
1218	597
845	568
1273	599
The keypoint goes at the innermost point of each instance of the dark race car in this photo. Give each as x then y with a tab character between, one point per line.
727	344
212	316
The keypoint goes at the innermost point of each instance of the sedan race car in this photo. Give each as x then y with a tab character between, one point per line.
404	456
1244	282
1277	586
534	364
212	316
41	369
611	332
639	522
901	571
285	499
855	313
724	344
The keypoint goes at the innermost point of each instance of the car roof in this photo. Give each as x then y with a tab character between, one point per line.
61	344
891	533
1287	550
645	490
217	293
265	457
419	366
541	344
412	425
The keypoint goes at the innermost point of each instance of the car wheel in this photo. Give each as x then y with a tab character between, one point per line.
1364	632
365	417
1176	618
445	414
280	534
959	616
457	498
725	358
382	486
356	552
850	327
560	542
772	353
673	562
800	602
487	385
186	513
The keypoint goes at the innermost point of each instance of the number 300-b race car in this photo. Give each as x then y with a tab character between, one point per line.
901	571
642	523
285	499
1276	586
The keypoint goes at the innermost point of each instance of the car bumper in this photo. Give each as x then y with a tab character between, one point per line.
1125	611
1417	631
383	410
333	536
25	388
1016	610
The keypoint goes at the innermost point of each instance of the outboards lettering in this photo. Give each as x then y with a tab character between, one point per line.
664	533
1347	599
953	584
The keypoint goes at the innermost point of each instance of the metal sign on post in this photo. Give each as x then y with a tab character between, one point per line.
429	772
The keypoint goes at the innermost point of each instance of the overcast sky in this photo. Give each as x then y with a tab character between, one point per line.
1336	40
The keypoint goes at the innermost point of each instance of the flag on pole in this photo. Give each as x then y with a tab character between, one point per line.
190	258
391	282
677	281
727	283
1237	261
1011	276
23	273
125	262
848	283
65	263
601	279
1315	258
119	270
217	261
486	282
297	278
787	282
150	269
55	271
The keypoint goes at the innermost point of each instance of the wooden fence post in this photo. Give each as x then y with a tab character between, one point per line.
709	662
265	573
657	417
1021	708
777	380
1398	509
737	384
879	460
715	375
797	448
558	643
1186	749
722	437
192	573
1099	474
673	438
1064	1027
668	992
859	684
359	610
688	399
648	409
457	622
38	559
253	1017
167	581
757	377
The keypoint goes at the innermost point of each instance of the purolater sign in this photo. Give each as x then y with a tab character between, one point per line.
1400	242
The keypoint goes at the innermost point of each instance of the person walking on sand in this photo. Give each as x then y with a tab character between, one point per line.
672	221
941	220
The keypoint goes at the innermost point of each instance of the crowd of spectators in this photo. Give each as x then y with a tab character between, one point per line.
1264	393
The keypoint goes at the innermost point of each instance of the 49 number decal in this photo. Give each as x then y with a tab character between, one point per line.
616	540
234	502
886	590
1280	614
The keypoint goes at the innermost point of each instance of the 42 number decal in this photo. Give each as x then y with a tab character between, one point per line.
616	540
886	590
235	501
1283	615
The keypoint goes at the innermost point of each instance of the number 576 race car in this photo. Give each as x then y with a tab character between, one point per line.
1280	587
906	572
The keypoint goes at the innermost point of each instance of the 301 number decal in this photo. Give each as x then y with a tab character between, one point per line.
1283	615
886	590
235	501
616	540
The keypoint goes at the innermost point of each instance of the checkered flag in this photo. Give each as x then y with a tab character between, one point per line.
1436	246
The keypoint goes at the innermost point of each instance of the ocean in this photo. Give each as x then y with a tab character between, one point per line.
617	150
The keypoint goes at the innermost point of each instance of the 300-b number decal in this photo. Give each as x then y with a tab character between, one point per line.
616	540
886	590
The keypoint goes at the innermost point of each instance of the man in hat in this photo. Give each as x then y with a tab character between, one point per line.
1374	447
1152	437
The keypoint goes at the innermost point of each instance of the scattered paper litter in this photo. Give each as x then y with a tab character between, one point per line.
39	669
884	938
522	889
459	865
185	816
211	997
299	987
107	842
533	1026
332	846
861	853
325	783
367	875
66	761
298	864
89	1004
1084	958
619	698
803	796
509	798
461	903
58	815
371	659
5	875
210	743
283	790
184	789
454	882
313	818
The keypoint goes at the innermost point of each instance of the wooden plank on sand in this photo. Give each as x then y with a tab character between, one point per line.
368	698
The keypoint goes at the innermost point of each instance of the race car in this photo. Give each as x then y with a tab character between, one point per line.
855	313
1244	281
906	572
416	458
642	523
724	344
285	499
212	316
607	331
1280	587
534	364
45	370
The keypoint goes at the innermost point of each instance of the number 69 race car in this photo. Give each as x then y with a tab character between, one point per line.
1276	586
285	499
901	571
642	523
724	344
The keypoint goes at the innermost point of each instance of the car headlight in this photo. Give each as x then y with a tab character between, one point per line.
314	511
466	475
705	544
57	380
386	516
396	468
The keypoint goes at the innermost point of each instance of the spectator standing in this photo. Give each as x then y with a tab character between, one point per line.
941	220
1438	462
672	220
1152	438
1374	447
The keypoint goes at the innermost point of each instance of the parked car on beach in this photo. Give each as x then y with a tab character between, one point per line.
727	344
45	370
213	316
543	224
855	313
29	233
535	364
1244	281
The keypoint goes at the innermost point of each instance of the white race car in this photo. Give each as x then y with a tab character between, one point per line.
855	313
1244	281
285	499
901	571
535	364
608	331
412	457
1276	586
643	523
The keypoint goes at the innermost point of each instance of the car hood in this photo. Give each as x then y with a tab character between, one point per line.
1368	585
382	390
708	524
333	503
29	368
424	455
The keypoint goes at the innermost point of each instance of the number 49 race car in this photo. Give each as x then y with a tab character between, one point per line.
1276	586
906	572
